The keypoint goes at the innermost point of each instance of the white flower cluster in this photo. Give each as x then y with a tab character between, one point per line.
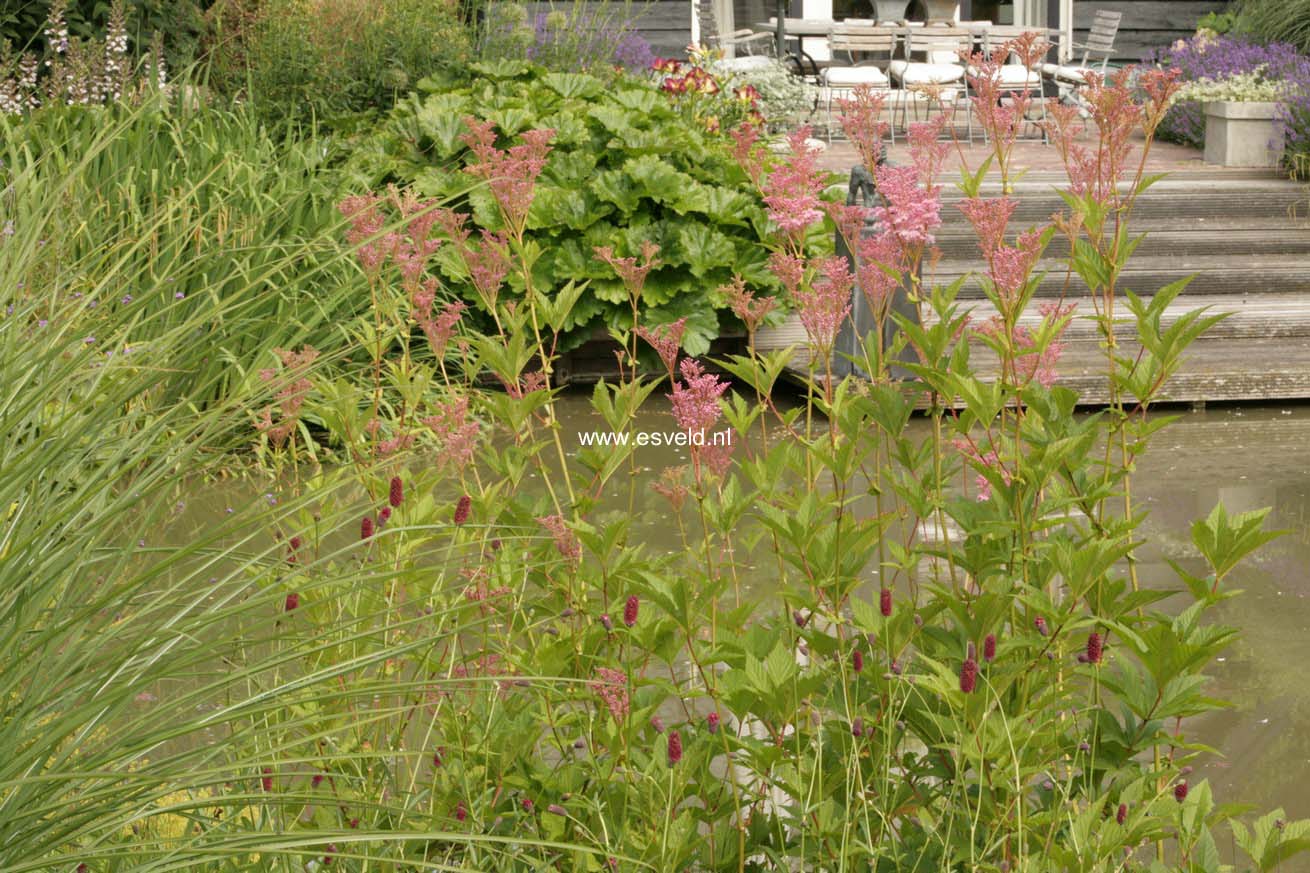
1249	87
77	72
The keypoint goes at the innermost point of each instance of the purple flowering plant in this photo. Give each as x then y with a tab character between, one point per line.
1207	56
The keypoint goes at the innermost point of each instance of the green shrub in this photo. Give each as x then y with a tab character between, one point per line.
626	167
337	58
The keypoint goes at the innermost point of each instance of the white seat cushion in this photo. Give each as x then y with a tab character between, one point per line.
744	63
1015	76
915	73
855	76
1067	73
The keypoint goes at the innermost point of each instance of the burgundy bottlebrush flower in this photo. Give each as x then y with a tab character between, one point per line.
556	809
1094	647
266	778
462	509
1180	792
630	610
712	722
331	850
436	757
460	812
366	527
657	724
293	602
384	516
397	492
675	747
857	660
1040	624
293	547
968	675
82	868
316	781
885	602
1121	814
799	617
857	727
989	648
527	804
606	622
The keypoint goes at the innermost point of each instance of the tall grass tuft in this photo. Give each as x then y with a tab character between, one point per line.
149	715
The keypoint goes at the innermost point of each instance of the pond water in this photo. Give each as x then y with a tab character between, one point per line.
1247	457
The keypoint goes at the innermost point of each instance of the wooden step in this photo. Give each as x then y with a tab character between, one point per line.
1213	274
1247	316
1186	237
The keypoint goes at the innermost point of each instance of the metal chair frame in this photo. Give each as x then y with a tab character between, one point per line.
938	38
865	38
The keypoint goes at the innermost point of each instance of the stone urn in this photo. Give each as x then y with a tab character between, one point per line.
1242	134
891	10
939	10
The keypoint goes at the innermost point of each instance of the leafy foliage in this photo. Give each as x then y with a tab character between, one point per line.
625	167
337	59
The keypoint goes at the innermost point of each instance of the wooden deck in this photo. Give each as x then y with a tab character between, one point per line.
1245	237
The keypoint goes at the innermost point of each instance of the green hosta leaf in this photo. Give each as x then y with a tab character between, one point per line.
706	248
504	69
615	186
656	178
612	118
570	168
511	120
643	101
441	119
572	85
702	321
567	207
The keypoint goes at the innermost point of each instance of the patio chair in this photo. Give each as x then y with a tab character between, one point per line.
743	43
853	39
1013	77
941	69
1099	47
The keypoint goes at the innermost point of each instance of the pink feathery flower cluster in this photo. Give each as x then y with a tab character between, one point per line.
989	461
666	339
439	328
989	217
910	212
880	268
408	248
290	396
791	191
670	486
1115	116
487	264
861	121
611	686
748	152
849	219
696	398
456	432
745	305
928	149
1010	266
826	303
630	270
510	173
789	269
566	541
696	409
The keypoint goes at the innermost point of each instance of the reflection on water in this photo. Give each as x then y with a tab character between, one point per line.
1248	457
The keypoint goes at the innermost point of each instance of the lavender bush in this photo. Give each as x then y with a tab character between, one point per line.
570	40
1216	58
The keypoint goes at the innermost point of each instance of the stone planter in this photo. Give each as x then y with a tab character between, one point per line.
1242	134
939	10
891	10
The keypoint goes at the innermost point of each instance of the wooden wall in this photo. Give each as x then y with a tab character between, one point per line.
1146	24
